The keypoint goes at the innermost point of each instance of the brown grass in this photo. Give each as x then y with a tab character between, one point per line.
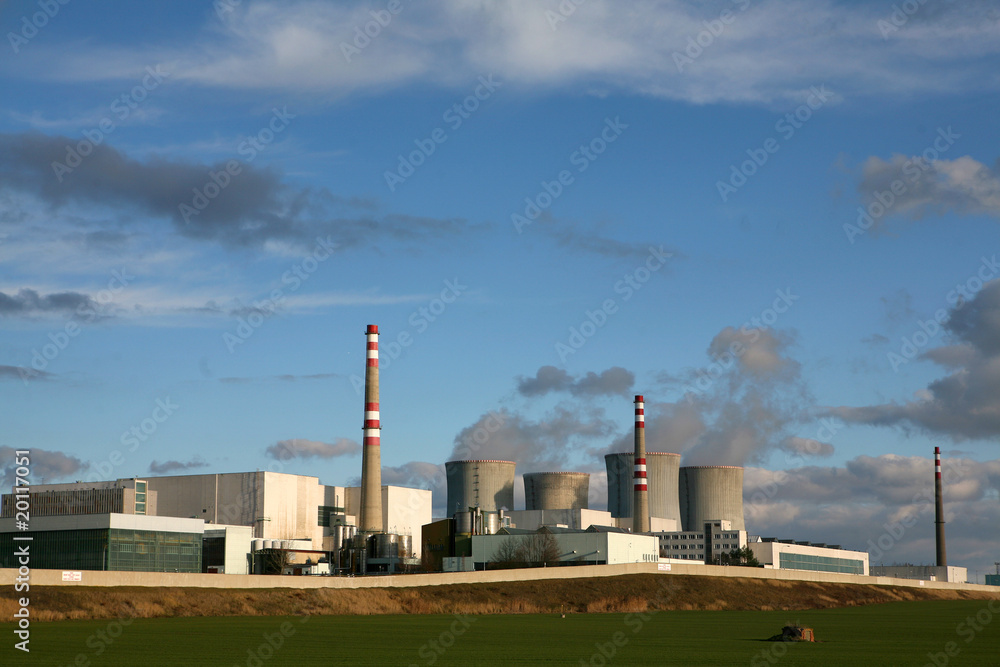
631	593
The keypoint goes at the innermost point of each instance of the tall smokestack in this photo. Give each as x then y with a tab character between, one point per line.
942	557
371	456
640	493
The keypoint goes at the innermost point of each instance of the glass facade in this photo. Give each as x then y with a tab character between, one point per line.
794	561
140	497
104	549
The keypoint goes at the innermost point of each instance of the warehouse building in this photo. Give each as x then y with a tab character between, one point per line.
126	542
789	555
923	572
595	546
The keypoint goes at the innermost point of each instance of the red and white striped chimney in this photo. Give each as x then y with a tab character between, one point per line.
370	520
942	556
640	494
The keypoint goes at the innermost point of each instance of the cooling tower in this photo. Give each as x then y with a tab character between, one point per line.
661	476
556	490
371	454
488	485
711	492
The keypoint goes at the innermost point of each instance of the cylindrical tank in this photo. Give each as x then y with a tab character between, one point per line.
556	490
405	546
486	484
386	545
338	537
491	523
662	481
463	523
710	493
258	544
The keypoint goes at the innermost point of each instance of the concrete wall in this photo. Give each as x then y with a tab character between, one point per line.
711	492
661	475
556	490
96	578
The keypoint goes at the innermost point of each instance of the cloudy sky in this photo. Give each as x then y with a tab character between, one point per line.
778	221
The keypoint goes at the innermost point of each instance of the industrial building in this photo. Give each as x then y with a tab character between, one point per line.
714	539
789	555
126	542
594	546
922	572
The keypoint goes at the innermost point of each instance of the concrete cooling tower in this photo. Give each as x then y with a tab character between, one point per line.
556	490
711	492
488	485
661	473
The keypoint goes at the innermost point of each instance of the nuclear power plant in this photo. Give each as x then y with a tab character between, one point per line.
271	522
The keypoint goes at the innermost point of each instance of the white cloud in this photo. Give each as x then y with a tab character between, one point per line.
769	51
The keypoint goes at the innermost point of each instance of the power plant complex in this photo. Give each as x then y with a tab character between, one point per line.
266	522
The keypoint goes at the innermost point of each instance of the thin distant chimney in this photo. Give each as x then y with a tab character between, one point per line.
942	557
370	520
640	493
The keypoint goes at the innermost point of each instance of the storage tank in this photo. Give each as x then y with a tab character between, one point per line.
406	546
269	544
463	523
556	490
258	544
338	537
662	475
711	492
486	484
386	545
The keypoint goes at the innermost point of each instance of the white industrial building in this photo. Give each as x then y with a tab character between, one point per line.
715	539
788	555
595	547
923	572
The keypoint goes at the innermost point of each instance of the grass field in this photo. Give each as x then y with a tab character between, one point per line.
901	633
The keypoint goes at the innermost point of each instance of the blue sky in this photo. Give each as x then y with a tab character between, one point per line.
727	146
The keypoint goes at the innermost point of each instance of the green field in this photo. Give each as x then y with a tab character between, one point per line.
900	633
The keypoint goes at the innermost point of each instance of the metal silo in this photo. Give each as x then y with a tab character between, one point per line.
661	474
711	492
556	490
486	484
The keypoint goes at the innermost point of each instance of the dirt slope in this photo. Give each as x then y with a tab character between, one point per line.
630	593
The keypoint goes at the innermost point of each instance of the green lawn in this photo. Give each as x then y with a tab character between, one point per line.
890	634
